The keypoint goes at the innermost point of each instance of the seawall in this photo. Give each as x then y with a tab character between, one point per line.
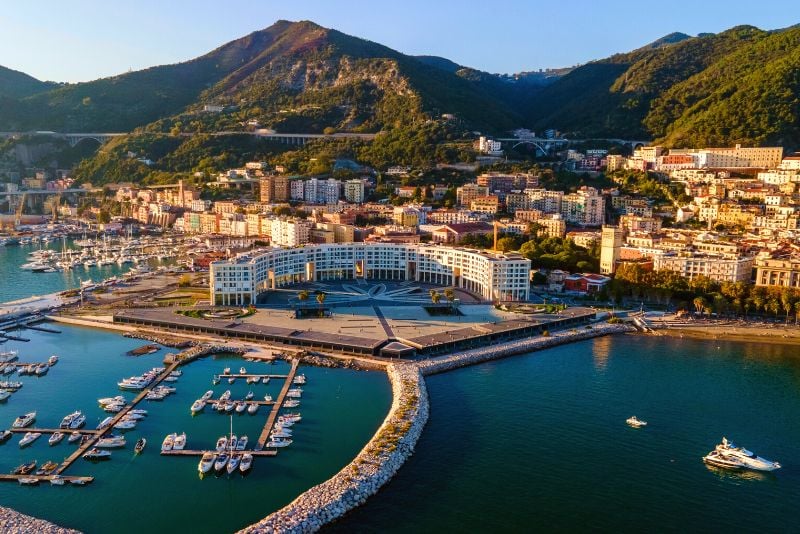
14	522
375	465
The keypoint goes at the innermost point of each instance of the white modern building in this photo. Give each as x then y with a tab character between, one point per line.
289	233
354	191
491	276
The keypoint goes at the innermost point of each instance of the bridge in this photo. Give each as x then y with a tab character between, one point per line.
71	138
45	192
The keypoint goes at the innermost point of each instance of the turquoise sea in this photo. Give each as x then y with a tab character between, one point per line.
538	443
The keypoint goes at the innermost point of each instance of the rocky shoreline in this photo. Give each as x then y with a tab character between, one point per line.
14	522
375	465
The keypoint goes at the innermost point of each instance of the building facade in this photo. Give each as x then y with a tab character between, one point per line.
491	276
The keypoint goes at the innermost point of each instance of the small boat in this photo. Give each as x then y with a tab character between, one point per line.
24	420
52	360
242	371
206	462
41	369
169	442
229	406
113	408
293	417
139	412
73	437
55	438
104	423
207	395
80	481
198	406
140	444
5	435
180	442
125	425
111	400
225	396
280	432
97	454
232	442
240	406
77	421
253	408
246	462
233	463
29	438
635	422
215	380
171	379
242	443
220	462
265	380
278	443
231	380
47	468
226	371
28	481
56	480
299	380
268	397
176	373
4	395
24	469
291	403
133	416
222	443
294	393
249	395
111	442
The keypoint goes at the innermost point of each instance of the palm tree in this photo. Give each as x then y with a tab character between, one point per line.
435	296
699	304
302	296
320	296
450	295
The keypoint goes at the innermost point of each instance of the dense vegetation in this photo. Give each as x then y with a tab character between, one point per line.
15	84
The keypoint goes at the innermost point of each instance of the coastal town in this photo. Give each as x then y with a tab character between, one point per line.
315	283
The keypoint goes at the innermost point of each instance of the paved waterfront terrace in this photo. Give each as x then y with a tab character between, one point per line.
369	330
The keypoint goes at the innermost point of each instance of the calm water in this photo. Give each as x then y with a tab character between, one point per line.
539	443
16	283
341	410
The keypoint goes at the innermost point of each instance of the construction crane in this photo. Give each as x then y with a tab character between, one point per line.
20	208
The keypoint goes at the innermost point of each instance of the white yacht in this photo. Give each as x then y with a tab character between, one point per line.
24	420
29	438
717	459
111	442
253	408
242	443
240	406
206	462
104	423
222	443
180	442
246	462
207	395
278	443
55	438
198	406
635	422
73	437
748	458
242	371
220	462
97	454
125	425
169	442
4	394
233	463
249	395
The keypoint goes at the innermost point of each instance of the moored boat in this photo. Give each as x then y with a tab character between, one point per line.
206	462
220	462
634	422
29	438
169	442
233	463
253	408
24	469
97	454
180	442
55	438
24	420
246	462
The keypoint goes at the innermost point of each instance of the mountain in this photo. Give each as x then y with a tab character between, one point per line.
738	86
15	84
292	76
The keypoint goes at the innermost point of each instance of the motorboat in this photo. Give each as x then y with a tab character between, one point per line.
242	371
242	443
111	442
278	443
291	403
52	360
41	369
265	380
253	408
207	395
229	406
280	432
268	397
252	380
220	462
57	480
231	380
293	417
233	463
176	373
133	416
140	444
7	384
299	379
29	438
240	406
139	412
222	443
718	459
47	468
104	423
5	435
206	462
226	371
24	469
169	442
748	458
28	481
225	396
55	438
24	420
73	437
198	406
97	454
232	442
249	395
180	442
111	400
4	395
113	408
246	462
7	356
634	422
125	425
215	380
81	481
294	393
77	421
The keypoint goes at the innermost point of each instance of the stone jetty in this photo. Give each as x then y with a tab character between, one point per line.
14	522
375	465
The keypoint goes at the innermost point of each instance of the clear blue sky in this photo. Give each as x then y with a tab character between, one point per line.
79	40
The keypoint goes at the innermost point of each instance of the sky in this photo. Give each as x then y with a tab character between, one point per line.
82	40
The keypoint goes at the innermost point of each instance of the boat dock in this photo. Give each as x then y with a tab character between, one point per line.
83	431
41	328
13	338
260	377
273	414
47	478
99	434
261	402
188	452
